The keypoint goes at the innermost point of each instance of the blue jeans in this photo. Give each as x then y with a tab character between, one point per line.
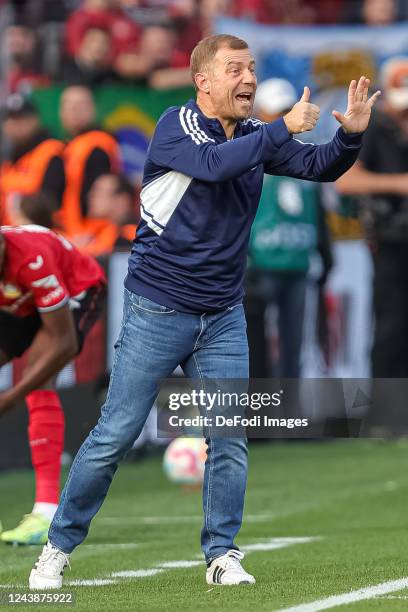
152	342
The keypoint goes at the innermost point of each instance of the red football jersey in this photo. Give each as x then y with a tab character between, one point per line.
43	271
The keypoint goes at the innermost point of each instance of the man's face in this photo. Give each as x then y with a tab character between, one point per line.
231	83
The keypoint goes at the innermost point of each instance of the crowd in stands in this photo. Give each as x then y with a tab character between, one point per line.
77	186
91	42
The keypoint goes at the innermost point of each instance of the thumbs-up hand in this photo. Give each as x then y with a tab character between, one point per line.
303	116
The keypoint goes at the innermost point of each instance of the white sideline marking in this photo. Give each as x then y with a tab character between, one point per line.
142	573
148	520
370	592
175	564
95	582
114	577
271	544
11	586
276	543
259	518
160	520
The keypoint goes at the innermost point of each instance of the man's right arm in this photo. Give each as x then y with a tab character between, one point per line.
181	143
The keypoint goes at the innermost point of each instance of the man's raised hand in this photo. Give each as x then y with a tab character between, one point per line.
359	106
303	116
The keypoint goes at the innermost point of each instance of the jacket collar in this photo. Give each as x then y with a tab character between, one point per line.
213	124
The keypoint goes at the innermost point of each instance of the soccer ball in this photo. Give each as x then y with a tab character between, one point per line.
184	460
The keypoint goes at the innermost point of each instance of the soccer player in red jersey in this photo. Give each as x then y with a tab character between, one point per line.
50	296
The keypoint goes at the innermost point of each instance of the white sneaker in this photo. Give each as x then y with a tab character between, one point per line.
48	570
227	569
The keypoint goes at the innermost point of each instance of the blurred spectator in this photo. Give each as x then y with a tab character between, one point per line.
327	11
106	15
185	18
372	12
379	12
403	11
159	45
379	179
34	160
22	60
111	209
112	217
262	11
288	229
113	197
158	60
147	12
288	11
90	153
77	110
182	15
210	10
269	11
91	64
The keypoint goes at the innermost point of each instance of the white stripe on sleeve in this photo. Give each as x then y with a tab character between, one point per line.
184	126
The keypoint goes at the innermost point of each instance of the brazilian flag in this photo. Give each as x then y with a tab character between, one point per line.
129	113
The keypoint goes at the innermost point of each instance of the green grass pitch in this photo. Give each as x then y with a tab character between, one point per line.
348	497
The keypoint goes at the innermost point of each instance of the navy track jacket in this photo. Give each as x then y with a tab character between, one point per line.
199	198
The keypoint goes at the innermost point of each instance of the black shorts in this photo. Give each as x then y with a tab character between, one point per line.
17	333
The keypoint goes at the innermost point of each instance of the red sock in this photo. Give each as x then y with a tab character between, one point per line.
46	437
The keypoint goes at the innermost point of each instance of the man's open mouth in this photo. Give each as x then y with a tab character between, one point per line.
245	96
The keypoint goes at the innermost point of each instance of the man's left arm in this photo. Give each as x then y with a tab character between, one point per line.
323	163
54	345
326	162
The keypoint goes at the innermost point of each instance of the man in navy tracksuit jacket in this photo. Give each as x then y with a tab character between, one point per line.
200	196
183	293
